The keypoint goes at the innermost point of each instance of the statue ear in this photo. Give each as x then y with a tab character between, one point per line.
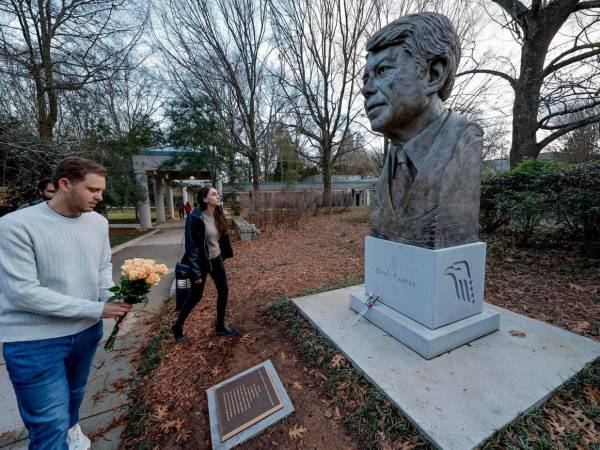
437	74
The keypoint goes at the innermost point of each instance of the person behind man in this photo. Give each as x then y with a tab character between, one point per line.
55	272
45	190
181	209
429	187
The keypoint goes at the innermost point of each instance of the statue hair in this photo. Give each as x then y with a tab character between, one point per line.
427	35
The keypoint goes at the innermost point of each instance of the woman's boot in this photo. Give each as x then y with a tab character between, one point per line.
177	331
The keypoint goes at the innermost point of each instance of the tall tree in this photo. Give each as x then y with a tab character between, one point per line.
193	124
220	47
319	45
559	71
64	46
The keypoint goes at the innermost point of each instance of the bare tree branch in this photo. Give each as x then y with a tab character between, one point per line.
568	128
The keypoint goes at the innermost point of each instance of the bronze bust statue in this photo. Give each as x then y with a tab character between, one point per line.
429	187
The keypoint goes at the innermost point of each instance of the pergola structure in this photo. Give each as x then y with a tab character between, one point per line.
149	165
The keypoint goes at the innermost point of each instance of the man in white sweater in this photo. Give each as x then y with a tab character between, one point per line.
55	272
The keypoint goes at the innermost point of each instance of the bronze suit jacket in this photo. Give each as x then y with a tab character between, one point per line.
441	207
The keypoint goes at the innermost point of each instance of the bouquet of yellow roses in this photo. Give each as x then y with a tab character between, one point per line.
137	276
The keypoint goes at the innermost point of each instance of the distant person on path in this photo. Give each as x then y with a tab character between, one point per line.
188	208
45	190
181	209
55	272
207	245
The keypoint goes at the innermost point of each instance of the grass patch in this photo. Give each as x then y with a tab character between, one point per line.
363	409
126	215
150	358
119	236
359	216
569	419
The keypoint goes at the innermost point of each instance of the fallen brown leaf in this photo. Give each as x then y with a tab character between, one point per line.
577	288
580	327
168	425
337	361
407	445
160	413
182	435
336	413
517	333
592	394
296	432
7	436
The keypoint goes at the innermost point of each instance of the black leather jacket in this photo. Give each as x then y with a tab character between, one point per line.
196	246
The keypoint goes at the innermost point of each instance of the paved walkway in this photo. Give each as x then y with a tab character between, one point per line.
105	401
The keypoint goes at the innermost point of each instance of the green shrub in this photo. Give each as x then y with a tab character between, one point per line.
562	198
491	213
578	204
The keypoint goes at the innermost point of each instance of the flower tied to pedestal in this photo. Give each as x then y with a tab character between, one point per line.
371	299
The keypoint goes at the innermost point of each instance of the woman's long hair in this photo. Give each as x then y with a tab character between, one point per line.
220	220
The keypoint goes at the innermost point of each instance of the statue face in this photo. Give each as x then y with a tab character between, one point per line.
394	88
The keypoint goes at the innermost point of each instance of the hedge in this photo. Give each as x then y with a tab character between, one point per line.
562	200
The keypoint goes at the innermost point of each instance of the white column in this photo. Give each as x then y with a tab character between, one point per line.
170	205
159	199
143	206
368	197
219	186
184	193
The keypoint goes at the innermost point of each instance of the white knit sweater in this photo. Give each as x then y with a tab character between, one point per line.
55	272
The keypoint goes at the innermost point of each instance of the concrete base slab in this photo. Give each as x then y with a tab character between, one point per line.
460	398
427	342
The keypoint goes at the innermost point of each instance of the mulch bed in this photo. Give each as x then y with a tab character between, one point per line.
557	286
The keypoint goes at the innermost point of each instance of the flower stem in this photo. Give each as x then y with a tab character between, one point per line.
110	342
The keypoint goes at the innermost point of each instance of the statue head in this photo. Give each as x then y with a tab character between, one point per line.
410	70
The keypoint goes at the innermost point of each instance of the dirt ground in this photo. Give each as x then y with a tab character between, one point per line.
557	286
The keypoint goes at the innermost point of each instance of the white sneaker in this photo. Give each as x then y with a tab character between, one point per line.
77	440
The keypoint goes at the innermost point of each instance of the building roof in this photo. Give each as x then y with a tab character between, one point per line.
165	151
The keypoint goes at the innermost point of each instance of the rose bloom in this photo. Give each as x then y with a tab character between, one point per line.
133	275
148	268
126	268
152	279
161	269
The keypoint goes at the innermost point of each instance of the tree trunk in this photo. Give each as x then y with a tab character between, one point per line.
254	161
326	171
539	26
527	98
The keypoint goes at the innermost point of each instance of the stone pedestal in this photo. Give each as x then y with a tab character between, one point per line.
430	300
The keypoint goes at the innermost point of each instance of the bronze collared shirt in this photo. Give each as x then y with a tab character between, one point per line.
408	158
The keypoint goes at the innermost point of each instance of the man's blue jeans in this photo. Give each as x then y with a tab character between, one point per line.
49	378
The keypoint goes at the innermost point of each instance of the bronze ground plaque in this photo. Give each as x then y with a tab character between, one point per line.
244	401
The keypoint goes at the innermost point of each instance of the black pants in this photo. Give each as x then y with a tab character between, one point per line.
220	279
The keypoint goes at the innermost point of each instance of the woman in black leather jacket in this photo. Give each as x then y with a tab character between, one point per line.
207	244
